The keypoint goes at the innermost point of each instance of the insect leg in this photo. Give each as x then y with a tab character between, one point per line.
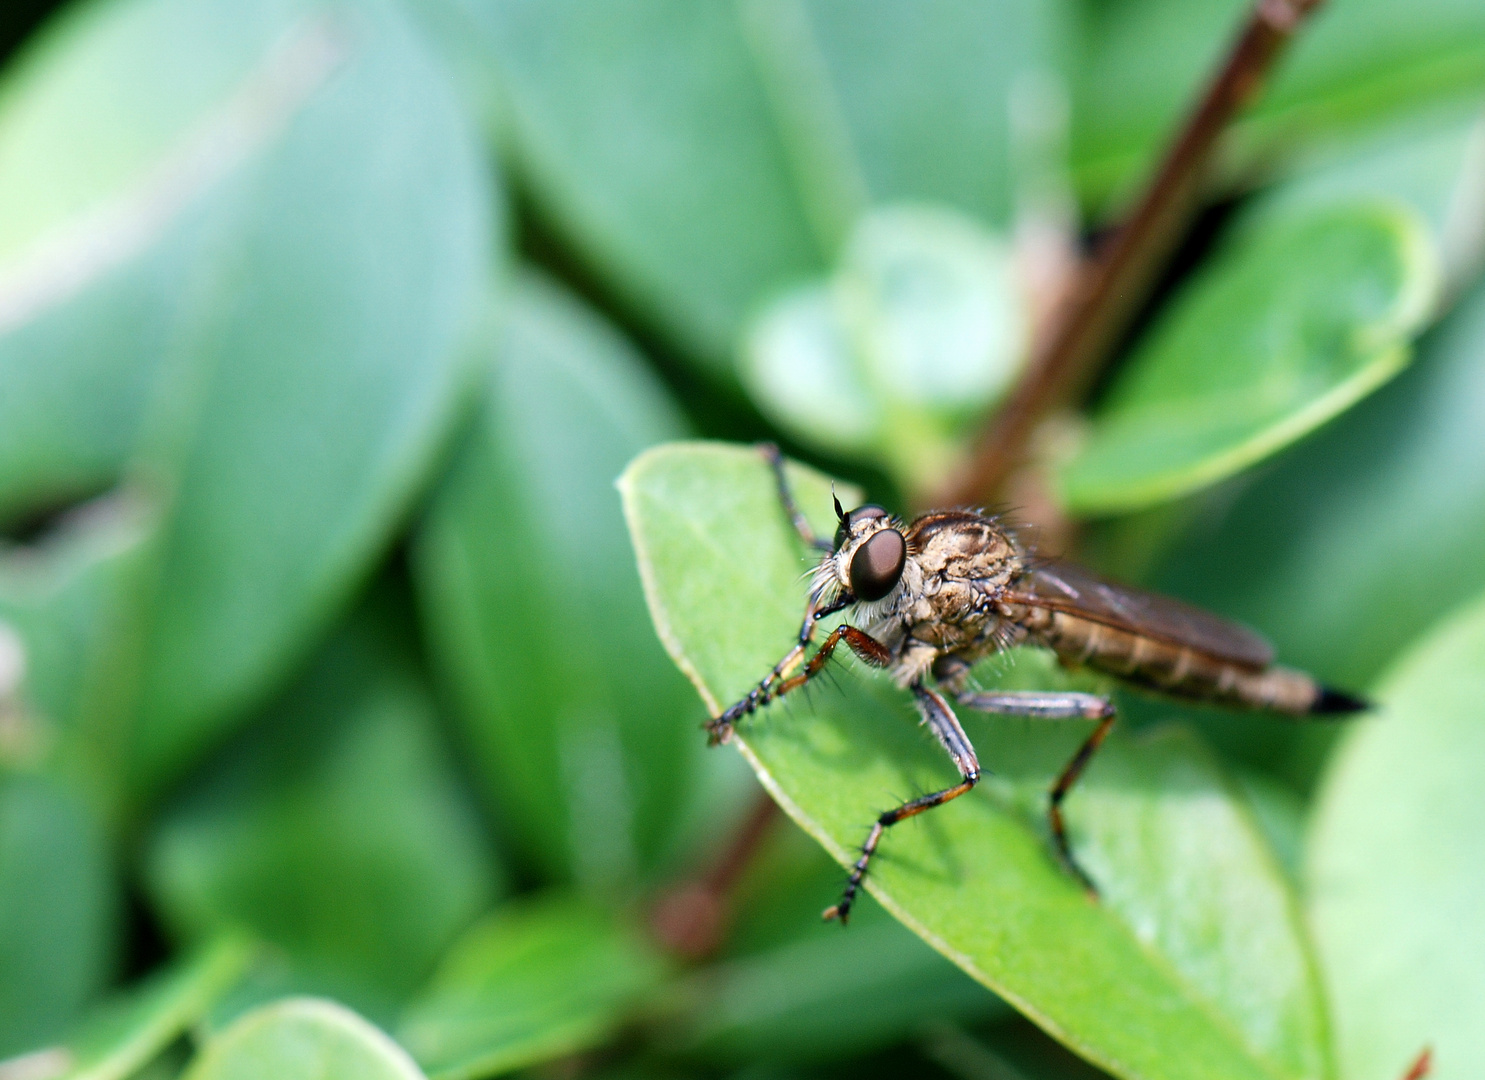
778	682
771	454
1039	705
1055	706
943	723
1070	773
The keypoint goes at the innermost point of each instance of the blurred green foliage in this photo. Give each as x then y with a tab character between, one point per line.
344	719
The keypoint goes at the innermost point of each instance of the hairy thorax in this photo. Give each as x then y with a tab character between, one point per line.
958	565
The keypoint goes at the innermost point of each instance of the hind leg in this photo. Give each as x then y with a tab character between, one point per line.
1069	776
1056	706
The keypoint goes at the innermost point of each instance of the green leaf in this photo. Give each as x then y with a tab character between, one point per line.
792	990
583	733
59	910
827	996
1306	315
701	182
696	227
921	328
337	829
460	31
128	1033
1432	163
1394	856
931	299
1280	813
1009	1051
1193	963
242	279
1354	64
801	370
113	126
537	980
1363	537
374	206
76	601
303	1039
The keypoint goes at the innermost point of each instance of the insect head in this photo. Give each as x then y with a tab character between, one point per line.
877	564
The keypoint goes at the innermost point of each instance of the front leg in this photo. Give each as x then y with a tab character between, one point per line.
779	682
801	525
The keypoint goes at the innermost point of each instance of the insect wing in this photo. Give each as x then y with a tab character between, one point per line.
1069	588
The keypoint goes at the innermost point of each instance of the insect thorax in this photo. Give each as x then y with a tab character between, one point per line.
958	565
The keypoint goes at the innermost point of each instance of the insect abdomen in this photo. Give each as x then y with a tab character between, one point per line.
1177	670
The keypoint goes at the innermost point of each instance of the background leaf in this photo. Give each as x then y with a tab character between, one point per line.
337	830
825	996
790	991
107	160
59	910
1355	64
252	271
583	734
540	979
126	1034
303	1038
1395	848
693	230
765	128
74	597
1163	978
923	324
1433	163
1303	317
394	245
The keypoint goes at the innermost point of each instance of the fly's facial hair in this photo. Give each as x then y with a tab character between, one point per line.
825	584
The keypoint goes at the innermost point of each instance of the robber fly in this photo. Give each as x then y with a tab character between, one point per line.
931	596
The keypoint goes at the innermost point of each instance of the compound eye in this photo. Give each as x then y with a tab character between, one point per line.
861	513
877	564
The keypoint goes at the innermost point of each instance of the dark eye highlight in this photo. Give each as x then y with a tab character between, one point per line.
877	565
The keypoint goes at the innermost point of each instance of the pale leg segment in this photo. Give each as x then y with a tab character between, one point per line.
1039	705
1055	706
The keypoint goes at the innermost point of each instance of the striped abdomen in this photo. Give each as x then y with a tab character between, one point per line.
1175	669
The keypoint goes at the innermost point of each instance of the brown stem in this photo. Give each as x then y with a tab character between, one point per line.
1422	1066
1111	287
692	917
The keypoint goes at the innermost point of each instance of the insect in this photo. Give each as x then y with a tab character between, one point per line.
931	596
